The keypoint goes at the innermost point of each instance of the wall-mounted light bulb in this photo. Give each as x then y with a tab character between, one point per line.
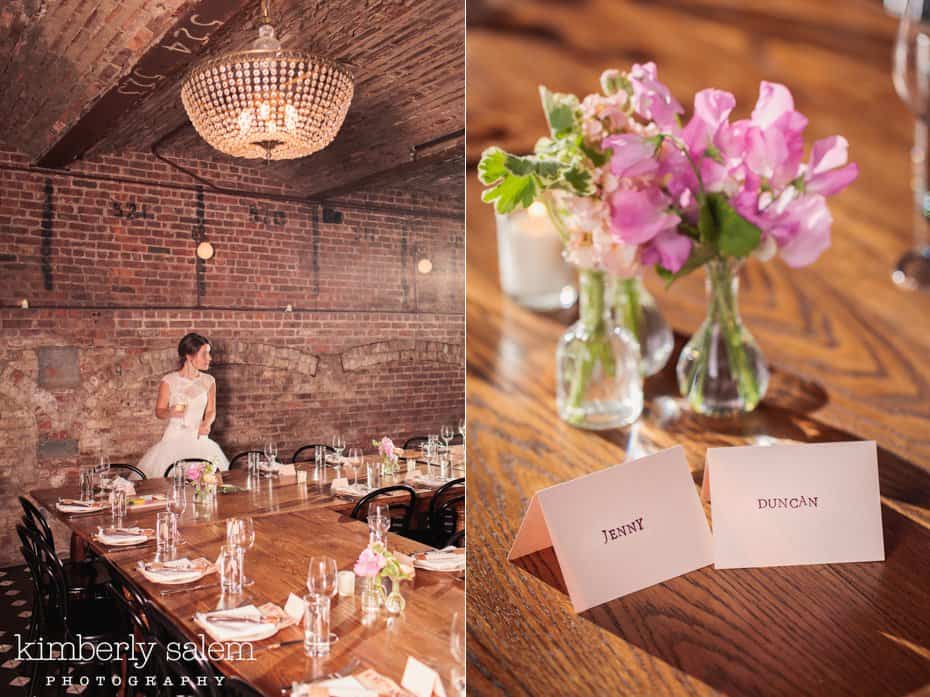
205	251
424	266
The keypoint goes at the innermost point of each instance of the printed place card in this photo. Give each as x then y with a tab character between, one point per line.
783	505
621	529
421	680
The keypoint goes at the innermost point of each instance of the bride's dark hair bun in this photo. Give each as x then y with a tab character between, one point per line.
190	345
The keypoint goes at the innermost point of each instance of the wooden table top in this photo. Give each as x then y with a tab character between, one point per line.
848	349
292	523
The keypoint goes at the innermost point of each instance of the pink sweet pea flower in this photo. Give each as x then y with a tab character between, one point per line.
638	216
369	563
827	173
669	249
802	231
711	110
631	155
386	447
651	99
194	470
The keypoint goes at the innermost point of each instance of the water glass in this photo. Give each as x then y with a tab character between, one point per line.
118	506
339	444
319	455
355	461
316	625
253	460
178	472
87	484
230	563
373	470
445	466
166	533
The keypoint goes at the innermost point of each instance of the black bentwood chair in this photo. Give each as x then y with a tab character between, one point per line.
295	458
62	617
415	443
131	471
185	461
236	687
86	577
399	524
131	604
446	508
241	461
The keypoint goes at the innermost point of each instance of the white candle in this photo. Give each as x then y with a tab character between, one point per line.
346	583
529	254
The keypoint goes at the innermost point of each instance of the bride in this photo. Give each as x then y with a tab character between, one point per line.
187	400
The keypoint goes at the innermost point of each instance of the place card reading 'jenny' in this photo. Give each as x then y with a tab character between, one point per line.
785	505
619	530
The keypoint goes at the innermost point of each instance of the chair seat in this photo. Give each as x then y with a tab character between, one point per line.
95	619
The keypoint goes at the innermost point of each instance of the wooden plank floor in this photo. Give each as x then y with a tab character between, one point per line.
849	353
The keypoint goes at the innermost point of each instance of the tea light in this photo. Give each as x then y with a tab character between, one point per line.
529	254
346	583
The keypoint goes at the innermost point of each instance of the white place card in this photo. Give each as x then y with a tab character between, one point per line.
421	680
619	530
783	505
295	607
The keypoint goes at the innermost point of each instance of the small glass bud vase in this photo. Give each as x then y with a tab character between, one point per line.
598	380
394	603
635	309
721	370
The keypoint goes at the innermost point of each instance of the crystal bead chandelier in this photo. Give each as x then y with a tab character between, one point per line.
267	102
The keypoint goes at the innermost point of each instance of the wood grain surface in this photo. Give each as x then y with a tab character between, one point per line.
292	523
848	350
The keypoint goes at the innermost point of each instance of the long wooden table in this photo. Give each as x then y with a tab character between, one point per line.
848	349
292	523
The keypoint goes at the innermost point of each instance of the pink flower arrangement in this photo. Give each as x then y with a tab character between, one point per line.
369	563
629	186
386	447
195	471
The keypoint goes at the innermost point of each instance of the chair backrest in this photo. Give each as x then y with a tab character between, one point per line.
235	463
399	524
457	540
33	518
131	602
49	579
416	442
131	470
310	446
236	687
444	507
186	460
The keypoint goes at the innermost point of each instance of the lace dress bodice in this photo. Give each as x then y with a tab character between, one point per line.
194	393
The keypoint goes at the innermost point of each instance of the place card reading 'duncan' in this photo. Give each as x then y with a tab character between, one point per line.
619	530
786	505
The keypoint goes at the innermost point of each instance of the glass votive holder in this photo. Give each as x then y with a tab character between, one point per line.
345	582
529	254
373	471
316	625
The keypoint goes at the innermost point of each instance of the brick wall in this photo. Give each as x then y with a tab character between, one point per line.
370	346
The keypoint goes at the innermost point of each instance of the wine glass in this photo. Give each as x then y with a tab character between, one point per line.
176	497
912	82
339	444
241	533
462	428
379	522
447	433
355	461
321	579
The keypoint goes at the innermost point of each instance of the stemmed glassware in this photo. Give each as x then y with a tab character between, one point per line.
462	428
339	444
379	522
241	533
176	497
321	579
271	452
912	82
447	433
355	461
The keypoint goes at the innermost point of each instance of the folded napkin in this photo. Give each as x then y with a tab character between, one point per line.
341	487
176	571
120	483
78	506
246	623
265	466
121	537
448	559
429	481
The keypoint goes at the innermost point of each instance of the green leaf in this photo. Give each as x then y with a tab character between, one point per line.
560	111
580	181
699	256
738	237
707	221
492	166
598	158
513	191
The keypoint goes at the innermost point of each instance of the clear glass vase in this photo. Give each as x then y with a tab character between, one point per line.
721	370
394	603
598	380
635	309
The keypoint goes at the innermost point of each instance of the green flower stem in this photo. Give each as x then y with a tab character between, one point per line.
627	296
596	348
719	274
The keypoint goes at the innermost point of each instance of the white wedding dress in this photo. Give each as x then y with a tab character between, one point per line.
181	440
